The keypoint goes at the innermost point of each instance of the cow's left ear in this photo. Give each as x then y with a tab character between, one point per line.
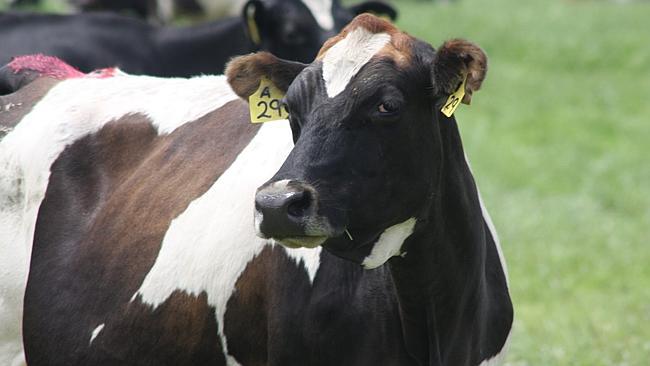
455	60
245	72
378	8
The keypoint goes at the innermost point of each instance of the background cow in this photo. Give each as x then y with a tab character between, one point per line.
139	194
291	29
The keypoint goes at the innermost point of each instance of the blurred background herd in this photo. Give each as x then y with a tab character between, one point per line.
559	139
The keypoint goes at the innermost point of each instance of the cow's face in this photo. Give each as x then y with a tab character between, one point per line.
296	29
365	123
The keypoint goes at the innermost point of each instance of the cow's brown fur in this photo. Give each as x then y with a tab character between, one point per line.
14	107
454	59
244	72
113	195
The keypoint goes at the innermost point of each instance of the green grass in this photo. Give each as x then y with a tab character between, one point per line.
559	139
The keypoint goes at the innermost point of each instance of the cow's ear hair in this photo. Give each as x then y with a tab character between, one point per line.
378	8
253	16
454	60
245	72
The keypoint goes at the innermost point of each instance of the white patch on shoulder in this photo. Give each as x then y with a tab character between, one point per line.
72	109
95	333
347	57
389	244
310	258
322	12
207	247
491	227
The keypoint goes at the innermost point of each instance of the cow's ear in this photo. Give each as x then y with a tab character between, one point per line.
253	15
378	8
455	60
245	72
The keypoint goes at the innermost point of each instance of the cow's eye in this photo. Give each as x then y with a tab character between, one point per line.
388	108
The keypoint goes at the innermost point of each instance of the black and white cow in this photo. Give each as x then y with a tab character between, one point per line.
139	194
291	29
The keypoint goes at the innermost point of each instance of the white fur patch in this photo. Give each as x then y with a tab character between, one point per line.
347	57
70	110
389	244
491	227
95	333
322	12
310	258
209	245
498	358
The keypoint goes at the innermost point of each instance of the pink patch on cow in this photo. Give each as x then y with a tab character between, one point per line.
104	73
45	65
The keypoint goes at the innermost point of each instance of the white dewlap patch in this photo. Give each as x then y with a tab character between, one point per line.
347	57
389	244
322	12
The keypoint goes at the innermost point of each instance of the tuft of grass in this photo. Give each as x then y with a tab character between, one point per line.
559	139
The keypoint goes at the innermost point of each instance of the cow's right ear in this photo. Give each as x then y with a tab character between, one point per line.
454	61
245	72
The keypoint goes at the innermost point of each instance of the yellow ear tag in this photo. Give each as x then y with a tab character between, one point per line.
252	26
265	104
454	100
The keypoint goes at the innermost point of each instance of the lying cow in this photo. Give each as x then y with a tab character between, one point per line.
290	29
139	194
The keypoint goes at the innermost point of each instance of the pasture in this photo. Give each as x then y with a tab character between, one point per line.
559	140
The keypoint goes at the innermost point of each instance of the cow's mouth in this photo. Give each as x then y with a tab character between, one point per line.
302	241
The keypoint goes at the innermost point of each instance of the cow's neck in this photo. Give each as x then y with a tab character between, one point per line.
208	46
441	281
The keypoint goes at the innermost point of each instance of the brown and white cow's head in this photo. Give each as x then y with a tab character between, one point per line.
365	120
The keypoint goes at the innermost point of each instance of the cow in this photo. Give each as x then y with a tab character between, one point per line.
291	29
168	230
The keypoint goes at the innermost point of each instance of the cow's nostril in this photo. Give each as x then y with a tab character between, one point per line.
299	203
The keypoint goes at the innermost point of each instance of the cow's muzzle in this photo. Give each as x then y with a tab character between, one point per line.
287	210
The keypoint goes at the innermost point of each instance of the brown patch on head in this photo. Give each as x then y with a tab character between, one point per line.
399	49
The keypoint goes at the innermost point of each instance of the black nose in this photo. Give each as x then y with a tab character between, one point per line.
283	208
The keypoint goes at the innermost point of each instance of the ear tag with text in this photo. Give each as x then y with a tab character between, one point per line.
454	100
265	104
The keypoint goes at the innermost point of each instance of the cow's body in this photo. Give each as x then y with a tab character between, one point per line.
138	194
98	40
157	287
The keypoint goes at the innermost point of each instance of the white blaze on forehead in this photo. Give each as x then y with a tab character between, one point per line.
322	12
347	57
389	244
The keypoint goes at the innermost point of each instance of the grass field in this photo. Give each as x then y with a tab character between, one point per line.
559	140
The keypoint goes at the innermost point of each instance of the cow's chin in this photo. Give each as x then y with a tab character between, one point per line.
302	241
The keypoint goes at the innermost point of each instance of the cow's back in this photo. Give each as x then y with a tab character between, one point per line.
87	41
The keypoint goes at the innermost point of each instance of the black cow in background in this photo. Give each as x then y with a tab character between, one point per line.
290	29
